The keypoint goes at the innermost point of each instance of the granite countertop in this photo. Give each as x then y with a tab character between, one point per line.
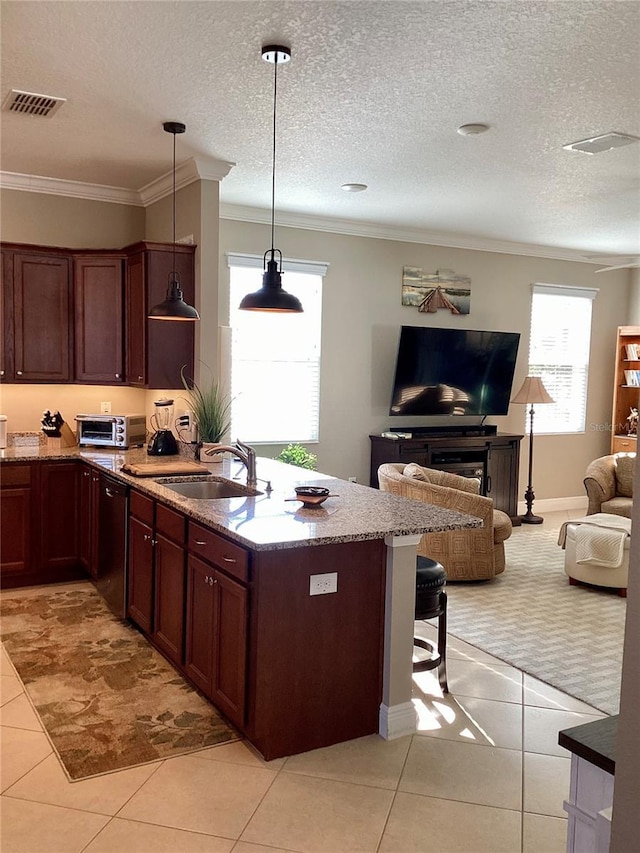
272	520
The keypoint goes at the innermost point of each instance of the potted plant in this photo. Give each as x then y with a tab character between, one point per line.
211	409
296	454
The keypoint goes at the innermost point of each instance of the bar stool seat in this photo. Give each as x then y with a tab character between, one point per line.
431	603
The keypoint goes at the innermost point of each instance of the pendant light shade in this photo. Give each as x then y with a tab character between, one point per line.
174	307
271	296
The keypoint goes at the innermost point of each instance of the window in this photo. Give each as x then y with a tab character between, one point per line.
559	354
275	358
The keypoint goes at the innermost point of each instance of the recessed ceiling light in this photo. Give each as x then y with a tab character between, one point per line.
472	129
604	142
354	188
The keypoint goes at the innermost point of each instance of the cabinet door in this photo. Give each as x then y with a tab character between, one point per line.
41	318
136	326
59	519
89	492
140	607
229	647
17	528
168	632
502	484
200	624
99	319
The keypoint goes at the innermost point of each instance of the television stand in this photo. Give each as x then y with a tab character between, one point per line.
493	457
446	430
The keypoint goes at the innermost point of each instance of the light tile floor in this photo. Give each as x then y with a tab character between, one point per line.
483	774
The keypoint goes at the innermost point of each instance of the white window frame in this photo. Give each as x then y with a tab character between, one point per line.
561	362
270	401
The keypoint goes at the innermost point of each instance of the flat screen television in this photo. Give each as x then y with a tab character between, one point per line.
453	372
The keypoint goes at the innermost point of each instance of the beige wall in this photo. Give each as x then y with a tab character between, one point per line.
362	313
53	220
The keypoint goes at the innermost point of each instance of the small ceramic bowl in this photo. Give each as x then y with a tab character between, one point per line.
312	495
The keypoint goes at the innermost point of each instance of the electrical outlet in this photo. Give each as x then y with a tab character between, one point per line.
322	584
105	408
353	479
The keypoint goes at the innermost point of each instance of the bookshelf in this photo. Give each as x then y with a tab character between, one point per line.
626	388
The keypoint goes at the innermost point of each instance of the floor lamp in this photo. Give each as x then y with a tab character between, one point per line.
532	391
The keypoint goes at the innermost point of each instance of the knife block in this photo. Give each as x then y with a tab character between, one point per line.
67	438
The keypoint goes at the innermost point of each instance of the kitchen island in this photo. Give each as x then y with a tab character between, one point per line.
224	589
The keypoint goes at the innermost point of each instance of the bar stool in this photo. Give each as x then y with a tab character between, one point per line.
431	603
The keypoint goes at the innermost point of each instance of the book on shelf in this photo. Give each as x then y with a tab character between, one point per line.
631	352
632	377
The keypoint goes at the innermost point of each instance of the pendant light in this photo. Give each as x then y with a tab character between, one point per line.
271	296
174	307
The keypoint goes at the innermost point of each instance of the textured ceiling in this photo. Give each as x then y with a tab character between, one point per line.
373	94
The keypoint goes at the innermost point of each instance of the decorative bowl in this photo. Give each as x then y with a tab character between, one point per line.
312	496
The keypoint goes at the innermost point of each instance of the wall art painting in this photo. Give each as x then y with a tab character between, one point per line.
430	291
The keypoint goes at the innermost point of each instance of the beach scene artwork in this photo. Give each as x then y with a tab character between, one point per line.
428	292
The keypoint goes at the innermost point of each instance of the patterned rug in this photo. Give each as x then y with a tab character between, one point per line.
568	636
106	698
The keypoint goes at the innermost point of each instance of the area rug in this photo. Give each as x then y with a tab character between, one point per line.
568	636
107	699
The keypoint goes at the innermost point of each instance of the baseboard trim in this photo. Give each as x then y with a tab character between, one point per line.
578	502
397	720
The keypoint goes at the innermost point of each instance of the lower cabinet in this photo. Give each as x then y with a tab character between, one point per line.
140	576
40	523
216	653
89	518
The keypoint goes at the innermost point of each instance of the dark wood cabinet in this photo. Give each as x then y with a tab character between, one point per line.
59	520
82	316
89	521
98	290
140	580
40	521
217	620
157	349
37	321
493	458
169	583
18	524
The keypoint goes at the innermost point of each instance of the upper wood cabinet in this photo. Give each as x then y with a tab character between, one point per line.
98	295
82	316
158	349
37	318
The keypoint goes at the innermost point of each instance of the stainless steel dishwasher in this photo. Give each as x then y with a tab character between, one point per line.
113	508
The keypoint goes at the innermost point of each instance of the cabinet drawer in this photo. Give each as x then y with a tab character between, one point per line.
623	444
15	475
142	507
228	556
171	524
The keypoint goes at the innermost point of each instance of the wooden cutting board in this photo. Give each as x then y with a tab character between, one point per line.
165	469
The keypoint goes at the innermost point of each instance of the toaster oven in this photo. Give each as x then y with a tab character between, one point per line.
120	431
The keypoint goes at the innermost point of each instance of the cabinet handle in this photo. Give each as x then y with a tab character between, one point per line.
146	537
18	373
109	493
200	542
209	579
154	541
1	372
488	483
229	560
140	378
85	474
117	376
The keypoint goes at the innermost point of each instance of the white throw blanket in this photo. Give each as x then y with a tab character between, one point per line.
600	539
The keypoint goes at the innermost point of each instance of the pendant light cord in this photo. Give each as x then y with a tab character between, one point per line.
273	168
173	261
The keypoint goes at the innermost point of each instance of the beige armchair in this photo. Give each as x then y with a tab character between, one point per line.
467	555
609	484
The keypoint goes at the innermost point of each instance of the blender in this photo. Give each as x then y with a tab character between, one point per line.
163	442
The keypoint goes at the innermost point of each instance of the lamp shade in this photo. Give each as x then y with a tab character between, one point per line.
271	296
533	391
174	307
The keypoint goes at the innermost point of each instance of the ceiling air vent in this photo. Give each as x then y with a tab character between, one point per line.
32	104
604	142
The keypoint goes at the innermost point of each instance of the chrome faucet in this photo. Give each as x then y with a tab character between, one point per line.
244	453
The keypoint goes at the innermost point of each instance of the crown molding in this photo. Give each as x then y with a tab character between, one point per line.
194	169
72	189
354	228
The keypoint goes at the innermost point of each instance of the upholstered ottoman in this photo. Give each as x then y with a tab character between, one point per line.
591	572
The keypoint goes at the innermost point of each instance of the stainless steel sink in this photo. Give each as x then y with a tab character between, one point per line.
210	490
